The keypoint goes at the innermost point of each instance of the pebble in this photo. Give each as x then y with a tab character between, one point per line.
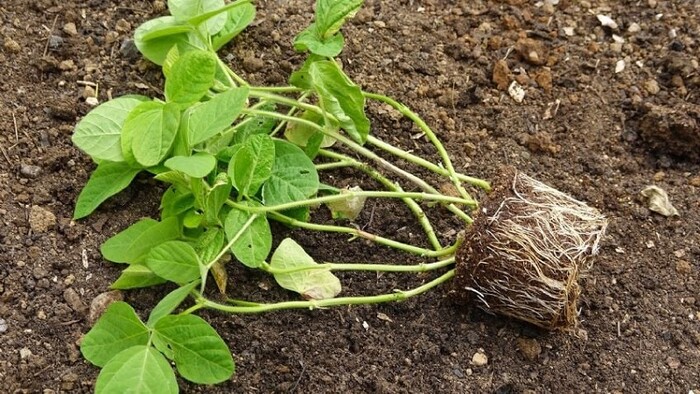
501	75
41	219
673	362
11	45
480	359
55	41
532	51
29	171
694	181
101	302
67	65
123	26
684	267
128	49
569	31
529	347
634	28
25	353
651	86
70	29
73	300
253	64
3	326
619	66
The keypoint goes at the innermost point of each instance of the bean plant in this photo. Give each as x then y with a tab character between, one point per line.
234	157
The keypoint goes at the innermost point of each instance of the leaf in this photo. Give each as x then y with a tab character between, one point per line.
315	284
198	165
252	164
169	303
341	97
131	245
301	78
156	37
170	59
237	20
212	117
97	134
258	124
136	276
348	208
209	244
153	131
310	40
293	178
174	178
184	10
300	133
138	370
108	179
332	14
658	201
175	261
174	202
118	329
200	355
254	243
191	77
216	198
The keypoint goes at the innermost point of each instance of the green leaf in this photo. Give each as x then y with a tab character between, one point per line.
169	303
301	78
341	97
170	59
175	261
97	134
152	131
212	117
315	284
118	329
258	124
138	370
191	77
136	276
156	37
108	179
200	355
310	40
254	243
174	202
198	165
237	19
332	14
252	164
300	133
131	245
209	244
216	198
174	178
184	10
293	178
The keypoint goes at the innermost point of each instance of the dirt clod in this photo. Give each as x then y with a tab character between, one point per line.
41	219
529	347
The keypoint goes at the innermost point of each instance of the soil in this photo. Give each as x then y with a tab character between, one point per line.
586	126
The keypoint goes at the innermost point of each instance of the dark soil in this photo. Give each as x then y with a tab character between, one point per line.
599	135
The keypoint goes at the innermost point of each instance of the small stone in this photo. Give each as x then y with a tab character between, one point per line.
619	66
89	91
532	51
70	29
607	21
659	176
73	300
11	45
111	37
3	326
516	92
25	353
673	362
529	347
29	170
634	28
100	303
569	31
123	26
651	86
616	47
55	41
544	79
479	359
501	75
128	49
41	219
694	181
683	267
158	6
66	65
253	64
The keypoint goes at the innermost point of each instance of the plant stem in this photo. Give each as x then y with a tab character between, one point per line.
398	295
277	89
362	267
362	234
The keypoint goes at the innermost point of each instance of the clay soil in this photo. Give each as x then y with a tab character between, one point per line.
585	126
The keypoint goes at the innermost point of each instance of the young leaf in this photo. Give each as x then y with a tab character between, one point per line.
97	134
174	202
170	59
152	131
131	245
169	303
107	180
198	165
349	208
315	284
237	19
252	164
254	243
293	178
174	178
139	370
299	133
191	77
311	40
212	117
136	276
332	14
156	37
216	198
175	261
341	97
184	10
200	355
301	78
118	329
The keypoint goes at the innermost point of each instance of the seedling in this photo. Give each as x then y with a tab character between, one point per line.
235	156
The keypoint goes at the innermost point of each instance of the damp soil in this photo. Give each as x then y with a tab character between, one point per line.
607	111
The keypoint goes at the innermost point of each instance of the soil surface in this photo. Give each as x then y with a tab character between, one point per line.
607	111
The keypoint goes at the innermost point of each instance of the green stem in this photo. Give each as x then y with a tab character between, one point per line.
362	234
398	295
277	89
362	267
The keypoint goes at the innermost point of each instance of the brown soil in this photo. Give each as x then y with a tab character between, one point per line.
582	128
